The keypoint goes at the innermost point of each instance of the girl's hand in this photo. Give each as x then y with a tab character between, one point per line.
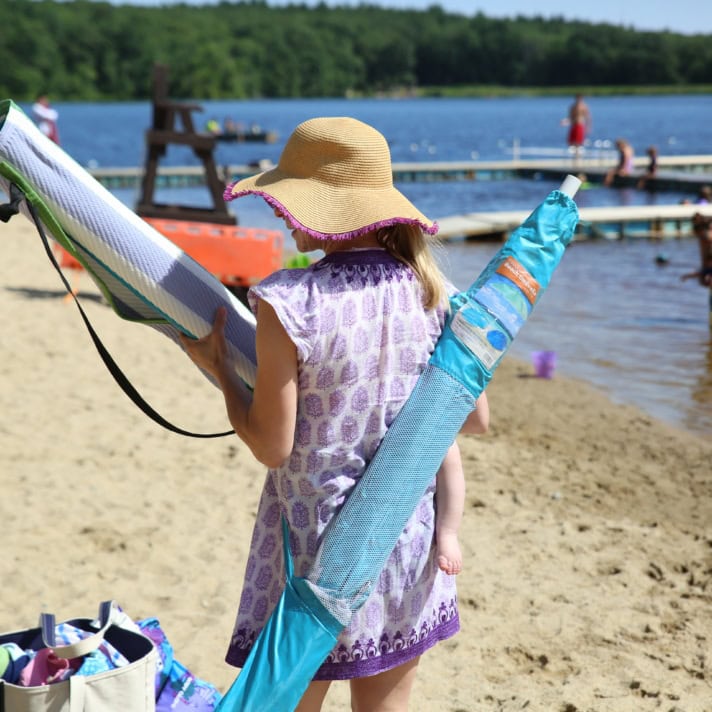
210	352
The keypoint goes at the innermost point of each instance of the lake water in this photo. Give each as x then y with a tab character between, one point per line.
612	314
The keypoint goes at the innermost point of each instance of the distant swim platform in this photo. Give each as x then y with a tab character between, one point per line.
249	136
676	173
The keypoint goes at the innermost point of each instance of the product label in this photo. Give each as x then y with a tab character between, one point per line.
516	273
478	331
508	295
492	316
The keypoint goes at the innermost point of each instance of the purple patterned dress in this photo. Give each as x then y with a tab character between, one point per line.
362	338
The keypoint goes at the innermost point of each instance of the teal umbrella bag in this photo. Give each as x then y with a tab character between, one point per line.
483	322
290	648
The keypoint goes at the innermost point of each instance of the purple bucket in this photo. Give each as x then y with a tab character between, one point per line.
544	363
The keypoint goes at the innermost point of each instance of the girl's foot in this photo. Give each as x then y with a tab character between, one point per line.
449	554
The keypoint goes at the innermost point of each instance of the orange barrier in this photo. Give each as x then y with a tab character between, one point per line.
64	258
237	256
67	261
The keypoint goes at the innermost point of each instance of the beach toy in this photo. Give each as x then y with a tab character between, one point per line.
484	320
544	363
144	276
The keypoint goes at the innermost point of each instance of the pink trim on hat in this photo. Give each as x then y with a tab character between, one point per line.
429	229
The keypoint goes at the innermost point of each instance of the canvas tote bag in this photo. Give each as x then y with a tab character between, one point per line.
129	688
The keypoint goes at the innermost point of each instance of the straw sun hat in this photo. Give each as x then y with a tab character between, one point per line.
334	181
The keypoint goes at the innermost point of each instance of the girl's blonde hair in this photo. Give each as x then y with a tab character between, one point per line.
409	244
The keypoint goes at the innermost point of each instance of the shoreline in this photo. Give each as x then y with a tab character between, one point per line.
587	578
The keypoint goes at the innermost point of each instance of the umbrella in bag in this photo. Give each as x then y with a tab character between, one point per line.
484	320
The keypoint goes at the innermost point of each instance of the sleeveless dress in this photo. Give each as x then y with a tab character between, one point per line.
362	338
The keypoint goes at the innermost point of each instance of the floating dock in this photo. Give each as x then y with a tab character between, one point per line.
613	223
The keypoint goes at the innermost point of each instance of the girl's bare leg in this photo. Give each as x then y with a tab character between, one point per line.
386	692
314	696
450	503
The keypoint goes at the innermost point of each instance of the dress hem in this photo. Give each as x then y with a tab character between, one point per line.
367	666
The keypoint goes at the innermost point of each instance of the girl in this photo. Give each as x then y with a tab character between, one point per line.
340	346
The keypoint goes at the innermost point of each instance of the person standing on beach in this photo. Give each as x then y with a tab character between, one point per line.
579	121
340	346
46	117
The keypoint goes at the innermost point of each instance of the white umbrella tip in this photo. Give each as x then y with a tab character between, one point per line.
570	185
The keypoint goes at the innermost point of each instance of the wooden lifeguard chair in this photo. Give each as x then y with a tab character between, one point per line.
173	124
238	256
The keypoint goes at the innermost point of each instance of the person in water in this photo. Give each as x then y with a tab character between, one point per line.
702	229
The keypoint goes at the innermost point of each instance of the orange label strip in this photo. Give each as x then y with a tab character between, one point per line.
515	272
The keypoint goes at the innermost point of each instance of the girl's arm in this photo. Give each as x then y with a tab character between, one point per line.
478	420
266	418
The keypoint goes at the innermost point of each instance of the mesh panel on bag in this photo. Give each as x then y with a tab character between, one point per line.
358	542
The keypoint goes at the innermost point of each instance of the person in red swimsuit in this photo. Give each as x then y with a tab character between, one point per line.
46	117
579	123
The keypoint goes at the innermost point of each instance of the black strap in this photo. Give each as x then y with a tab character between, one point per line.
6	212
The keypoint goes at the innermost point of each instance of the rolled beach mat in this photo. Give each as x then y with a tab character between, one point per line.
484	320
144	276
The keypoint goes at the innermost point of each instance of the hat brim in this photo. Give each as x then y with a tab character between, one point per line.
331	213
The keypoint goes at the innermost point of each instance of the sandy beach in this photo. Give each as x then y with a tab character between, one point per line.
587	535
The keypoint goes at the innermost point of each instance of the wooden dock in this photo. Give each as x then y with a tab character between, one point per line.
682	173
613	223
685	182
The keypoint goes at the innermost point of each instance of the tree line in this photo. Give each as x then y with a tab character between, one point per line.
86	50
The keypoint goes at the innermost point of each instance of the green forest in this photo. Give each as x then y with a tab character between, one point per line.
86	50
